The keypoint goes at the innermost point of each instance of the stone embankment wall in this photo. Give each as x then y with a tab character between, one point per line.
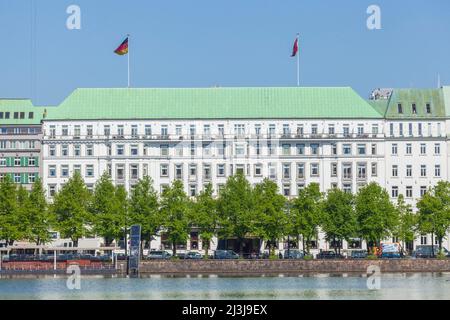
290	266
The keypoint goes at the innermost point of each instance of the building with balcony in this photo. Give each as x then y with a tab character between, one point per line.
294	136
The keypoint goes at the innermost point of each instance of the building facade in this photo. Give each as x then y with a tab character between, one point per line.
20	141
294	136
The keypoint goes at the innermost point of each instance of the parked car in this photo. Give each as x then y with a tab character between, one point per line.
293	254
391	251
153	255
425	251
329	255
193	255
225	254
358	254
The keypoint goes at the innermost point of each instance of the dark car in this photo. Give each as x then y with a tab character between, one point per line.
329	255
193	255
425	251
154	255
358	254
225	254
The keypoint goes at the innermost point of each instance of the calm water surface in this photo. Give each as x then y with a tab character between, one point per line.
301	287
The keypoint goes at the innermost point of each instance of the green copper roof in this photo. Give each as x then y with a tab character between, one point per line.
213	103
24	106
379	105
446	94
420	97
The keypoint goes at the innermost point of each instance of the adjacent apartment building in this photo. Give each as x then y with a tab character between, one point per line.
20	140
294	136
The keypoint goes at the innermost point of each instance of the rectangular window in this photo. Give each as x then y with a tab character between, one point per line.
65	131
89	170
64	171
65	150
286	149
423	170
361	170
286	170
314	169
437	171
347	171
333	149
347	149
164	131
107	131
394	149
134	131
331	130
314	149
89	150
360	130
300	170
423	149
374	149
206	172
375	129
89	131
399	108
391	129
423	190
239	150
120	131
286	190
192	171
120	172
134	150
394	193
31	177
164	150
300	149
164	170
428	108
17	162
17	178
134	171
409	191
192	190
52	151
77	150
221	130
437	149
258	170
286	129
419	129
314	129
148	130
179	171
52	171
347	187
395	171
409	170
400	129
361	149
414	108
2	162
408	148
410	129
221	170
77	168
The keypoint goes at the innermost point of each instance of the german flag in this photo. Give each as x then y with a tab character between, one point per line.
123	48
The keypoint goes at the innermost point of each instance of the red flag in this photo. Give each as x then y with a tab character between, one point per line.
295	49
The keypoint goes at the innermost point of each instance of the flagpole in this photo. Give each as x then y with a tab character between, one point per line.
128	55
298	61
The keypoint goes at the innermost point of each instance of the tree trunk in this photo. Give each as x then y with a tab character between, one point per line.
174	248
303	244
440	244
206	248
241	247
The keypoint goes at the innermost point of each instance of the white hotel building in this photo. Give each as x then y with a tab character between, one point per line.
294	136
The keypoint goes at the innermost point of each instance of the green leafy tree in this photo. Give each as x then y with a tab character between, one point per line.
144	208
338	216
122	211
175	207
236	206
406	229
271	217
205	216
107	219
434	212
376	216
39	216
306	213
22	209
9	219
71	209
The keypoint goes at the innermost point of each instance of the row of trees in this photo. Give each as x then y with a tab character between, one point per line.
240	210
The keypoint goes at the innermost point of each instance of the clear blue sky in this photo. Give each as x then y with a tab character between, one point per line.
202	43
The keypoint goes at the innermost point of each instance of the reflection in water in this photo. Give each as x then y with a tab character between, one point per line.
205	287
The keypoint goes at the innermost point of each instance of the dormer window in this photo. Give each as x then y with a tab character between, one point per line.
30	115
428	108
414	108
400	108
